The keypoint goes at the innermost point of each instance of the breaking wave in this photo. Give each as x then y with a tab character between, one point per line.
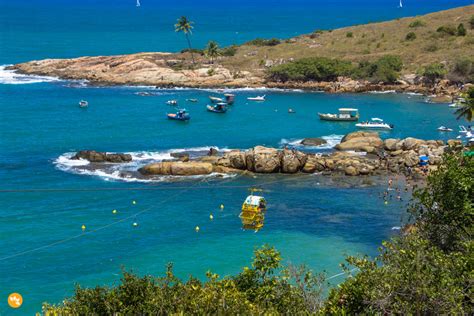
332	140
128	172
12	77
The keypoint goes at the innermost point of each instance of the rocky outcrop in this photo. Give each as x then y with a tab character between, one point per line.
177	168
263	160
95	156
361	141
313	141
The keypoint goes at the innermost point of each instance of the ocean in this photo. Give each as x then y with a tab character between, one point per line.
311	219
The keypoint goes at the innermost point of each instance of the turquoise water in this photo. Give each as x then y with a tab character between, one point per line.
312	219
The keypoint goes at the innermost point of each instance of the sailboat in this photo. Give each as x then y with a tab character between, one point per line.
401	4
138	3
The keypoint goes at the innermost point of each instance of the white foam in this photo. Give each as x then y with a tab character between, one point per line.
11	77
127	172
332	140
383	92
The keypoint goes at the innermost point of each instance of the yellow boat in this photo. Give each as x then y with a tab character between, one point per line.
253	212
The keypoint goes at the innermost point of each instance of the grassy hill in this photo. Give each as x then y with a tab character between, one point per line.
370	42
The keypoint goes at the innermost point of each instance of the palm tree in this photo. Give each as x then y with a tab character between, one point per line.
185	26
467	110
212	50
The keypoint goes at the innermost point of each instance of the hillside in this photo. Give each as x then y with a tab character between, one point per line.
371	41
248	64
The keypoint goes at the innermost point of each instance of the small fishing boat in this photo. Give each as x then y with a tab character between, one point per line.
181	115
229	98
253	212
257	98
217	108
444	129
172	102
83	104
215	99
192	100
464	130
375	123
344	115
291	111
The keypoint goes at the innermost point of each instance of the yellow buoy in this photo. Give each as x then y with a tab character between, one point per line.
197	229
211	217
114	212
222	206
83	227
134	202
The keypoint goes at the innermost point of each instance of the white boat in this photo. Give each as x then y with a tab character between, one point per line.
375	123
216	99
455	105
172	102
83	104
401	4
257	98
444	129
138	3
344	115
463	129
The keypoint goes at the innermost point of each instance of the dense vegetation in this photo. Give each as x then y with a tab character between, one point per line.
385	69
426	271
264	42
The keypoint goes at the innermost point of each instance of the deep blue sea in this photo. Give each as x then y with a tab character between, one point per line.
311	219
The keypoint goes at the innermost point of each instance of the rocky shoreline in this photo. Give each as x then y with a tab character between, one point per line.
164	70
358	154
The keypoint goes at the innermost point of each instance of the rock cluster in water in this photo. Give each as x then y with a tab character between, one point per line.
359	153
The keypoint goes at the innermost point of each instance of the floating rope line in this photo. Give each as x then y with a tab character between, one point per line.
85	233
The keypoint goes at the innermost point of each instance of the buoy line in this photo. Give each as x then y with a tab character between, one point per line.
85	233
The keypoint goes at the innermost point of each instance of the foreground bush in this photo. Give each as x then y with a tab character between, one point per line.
429	271
264	288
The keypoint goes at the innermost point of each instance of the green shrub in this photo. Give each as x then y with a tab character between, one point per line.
417	23
310	69
229	51
193	50
385	69
349	34
461	30
410	36
264	42
433	72
447	30
471	21
462	70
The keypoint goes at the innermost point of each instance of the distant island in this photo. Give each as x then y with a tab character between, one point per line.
429	54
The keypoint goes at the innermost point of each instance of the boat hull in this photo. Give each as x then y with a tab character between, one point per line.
325	117
173	116
214	110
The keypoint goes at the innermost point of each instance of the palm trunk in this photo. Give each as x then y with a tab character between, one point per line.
190	48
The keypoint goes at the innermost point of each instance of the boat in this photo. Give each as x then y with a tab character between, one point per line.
375	123
257	98
229	98
400	5
172	102
181	115
83	104
464	130
455	105
344	115
215	99
138	3
217	108
444	129
192	100
291	111
253	212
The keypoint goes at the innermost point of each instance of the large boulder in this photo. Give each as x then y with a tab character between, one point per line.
237	159
177	168
412	143
361	141
95	156
263	160
292	161
313	141
351	171
391	144
180	156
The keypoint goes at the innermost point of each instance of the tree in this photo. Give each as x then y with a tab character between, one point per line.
410	36
212	50
461	30
185	26
471	21
467	109
434	72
